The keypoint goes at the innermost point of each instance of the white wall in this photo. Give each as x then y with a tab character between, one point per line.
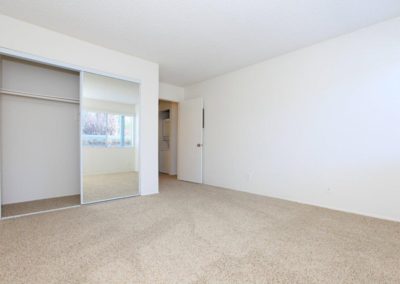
170	92
99	160
24	37
108	106
110	89
34	167
318	126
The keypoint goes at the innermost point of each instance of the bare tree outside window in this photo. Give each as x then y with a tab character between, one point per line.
101	129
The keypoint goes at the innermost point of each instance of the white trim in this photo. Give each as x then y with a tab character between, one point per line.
81	74
110	199
40	212
376	216
138	152
1	142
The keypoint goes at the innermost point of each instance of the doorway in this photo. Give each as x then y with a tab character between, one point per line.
167	137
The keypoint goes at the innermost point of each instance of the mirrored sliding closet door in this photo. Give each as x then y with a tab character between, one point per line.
109	138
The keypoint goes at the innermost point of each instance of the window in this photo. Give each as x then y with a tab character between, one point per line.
102	129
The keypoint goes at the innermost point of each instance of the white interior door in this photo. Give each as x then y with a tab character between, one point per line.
190	140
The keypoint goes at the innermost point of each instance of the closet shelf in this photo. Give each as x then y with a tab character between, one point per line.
41	97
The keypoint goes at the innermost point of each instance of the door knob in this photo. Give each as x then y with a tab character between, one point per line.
199	145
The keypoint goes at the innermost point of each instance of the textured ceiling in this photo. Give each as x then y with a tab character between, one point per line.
196	40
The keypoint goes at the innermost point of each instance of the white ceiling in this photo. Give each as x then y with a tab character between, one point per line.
193	40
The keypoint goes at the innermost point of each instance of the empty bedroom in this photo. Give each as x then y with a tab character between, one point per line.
190	141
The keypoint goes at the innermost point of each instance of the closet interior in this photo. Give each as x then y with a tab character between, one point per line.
39	109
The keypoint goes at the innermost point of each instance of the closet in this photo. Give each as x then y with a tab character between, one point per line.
39	137
67	136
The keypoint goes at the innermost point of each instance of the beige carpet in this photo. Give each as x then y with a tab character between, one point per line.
39	205
198	234
108	186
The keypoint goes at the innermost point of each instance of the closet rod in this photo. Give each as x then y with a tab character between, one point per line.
41	97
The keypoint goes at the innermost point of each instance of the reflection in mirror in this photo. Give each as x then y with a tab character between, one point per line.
109	133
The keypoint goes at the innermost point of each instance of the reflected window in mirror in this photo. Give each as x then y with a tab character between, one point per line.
102	129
